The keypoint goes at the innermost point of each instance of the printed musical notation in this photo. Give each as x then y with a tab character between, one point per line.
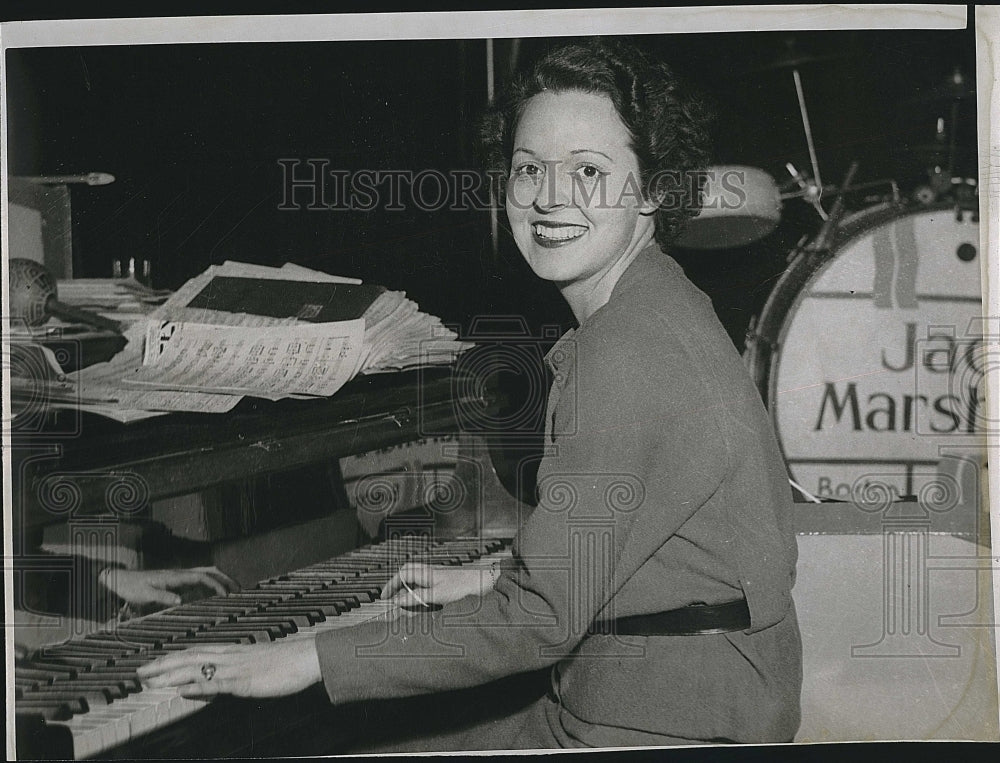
239	329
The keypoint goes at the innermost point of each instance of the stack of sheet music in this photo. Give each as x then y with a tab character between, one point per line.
240	329
120	299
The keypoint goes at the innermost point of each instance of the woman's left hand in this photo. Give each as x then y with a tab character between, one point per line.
266	670
159	586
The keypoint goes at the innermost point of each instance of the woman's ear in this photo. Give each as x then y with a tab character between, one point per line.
651	204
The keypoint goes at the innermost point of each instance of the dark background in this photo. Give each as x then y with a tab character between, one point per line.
193	134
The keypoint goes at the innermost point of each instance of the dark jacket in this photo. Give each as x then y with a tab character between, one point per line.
662	486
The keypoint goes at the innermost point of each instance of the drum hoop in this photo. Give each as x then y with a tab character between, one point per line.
763	348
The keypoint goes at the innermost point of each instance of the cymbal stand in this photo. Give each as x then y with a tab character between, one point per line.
813	189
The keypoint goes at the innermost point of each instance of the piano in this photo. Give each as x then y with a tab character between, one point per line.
79	698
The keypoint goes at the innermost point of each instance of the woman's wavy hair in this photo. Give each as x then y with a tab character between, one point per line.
669	125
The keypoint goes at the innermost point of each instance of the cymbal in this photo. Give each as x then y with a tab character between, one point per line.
794	59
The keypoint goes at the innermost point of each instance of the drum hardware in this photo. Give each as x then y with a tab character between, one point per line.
740	205
809	191
823	239
849	348
831	191
719	226
792	57
815	194
940	155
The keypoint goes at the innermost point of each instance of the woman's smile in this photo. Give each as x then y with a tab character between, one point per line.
572	199
552	234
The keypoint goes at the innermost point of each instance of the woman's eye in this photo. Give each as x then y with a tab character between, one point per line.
589	172
527	170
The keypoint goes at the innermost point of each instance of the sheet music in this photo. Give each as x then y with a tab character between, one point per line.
99	389
290	270
309	359
201	359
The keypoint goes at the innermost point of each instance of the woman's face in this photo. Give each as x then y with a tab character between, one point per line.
574	197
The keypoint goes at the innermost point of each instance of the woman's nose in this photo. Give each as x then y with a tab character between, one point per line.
555	191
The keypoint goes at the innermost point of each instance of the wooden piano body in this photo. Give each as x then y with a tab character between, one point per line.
103	482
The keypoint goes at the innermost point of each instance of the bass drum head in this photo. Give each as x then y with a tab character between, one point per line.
870	358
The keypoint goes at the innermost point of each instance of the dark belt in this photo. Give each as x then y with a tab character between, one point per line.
692	620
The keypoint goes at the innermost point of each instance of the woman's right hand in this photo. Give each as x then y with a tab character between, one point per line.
419	584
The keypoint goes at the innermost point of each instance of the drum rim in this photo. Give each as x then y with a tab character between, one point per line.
762	348
764	354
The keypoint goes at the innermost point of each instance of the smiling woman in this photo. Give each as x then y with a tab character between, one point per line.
654	578
567	202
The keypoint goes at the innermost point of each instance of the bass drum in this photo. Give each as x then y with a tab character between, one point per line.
870	355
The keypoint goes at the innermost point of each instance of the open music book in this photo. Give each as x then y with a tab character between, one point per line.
240	329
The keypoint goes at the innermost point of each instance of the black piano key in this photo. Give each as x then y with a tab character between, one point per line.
131	663
314	575
207	637
369	576
63	706
348	600
315	614
111	690
350	569
361	585
202	609
282	618
248	595
330	608
39	668
192	620
236	607
102	644
84	663
126	679
272	630
443	559
59	711
135	639
345	574
292	587
117	685
158	635
94	652
368	593
157	626
379	576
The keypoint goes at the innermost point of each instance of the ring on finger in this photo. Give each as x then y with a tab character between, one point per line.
208	671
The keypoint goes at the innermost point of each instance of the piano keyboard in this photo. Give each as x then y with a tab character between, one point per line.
88	685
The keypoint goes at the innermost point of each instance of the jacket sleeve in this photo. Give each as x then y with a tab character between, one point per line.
634	455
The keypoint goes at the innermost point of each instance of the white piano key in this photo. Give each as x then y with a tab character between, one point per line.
87	738
142	712
181	707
